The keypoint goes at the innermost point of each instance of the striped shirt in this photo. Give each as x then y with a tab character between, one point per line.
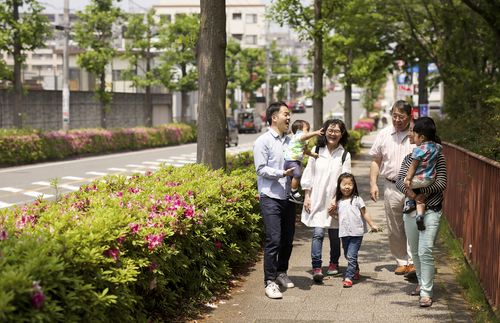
391	146
433	192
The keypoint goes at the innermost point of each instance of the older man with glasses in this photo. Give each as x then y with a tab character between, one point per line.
391	146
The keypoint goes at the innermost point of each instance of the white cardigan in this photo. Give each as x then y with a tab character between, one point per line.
320	176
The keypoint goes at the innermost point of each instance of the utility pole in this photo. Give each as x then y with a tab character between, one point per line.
65	89
268	67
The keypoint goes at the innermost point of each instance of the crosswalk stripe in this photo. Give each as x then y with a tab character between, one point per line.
73	178
135	166
10	189
151	163
41	183
115	169
166	160
70	187
97	173
4	205
37	194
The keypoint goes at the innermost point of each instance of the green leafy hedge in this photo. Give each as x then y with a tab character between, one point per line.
128	249
31	146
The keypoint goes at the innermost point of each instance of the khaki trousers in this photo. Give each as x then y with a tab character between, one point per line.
393	204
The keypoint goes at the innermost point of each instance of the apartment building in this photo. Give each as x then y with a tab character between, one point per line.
245	19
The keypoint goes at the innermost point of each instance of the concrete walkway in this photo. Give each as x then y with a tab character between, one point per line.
380	295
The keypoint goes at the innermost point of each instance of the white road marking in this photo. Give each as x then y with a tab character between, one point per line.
97	173
41	183
166	160
37	194
138	171
151	163
135	166
185	161
114	169
4	205
70	187
10	189
73	178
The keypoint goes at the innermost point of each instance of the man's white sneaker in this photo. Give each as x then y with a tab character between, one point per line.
272	290
284	280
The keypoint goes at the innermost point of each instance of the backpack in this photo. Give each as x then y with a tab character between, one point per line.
344	154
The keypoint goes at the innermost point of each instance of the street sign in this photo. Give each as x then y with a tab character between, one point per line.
424	110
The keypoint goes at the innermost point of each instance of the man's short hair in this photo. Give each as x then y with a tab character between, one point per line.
272	109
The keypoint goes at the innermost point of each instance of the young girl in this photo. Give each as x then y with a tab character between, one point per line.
352	224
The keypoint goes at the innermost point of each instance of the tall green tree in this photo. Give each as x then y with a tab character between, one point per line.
177	70
356	48
313	23
140	50
211	148
19	33
94	34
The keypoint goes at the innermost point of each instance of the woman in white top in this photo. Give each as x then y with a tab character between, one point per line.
319	182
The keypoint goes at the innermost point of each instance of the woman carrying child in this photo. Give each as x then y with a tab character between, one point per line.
352	224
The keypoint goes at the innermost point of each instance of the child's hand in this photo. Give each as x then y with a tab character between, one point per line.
332	209
407	183
375	229
320	132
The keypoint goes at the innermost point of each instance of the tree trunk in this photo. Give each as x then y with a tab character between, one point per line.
184	105
423	97
148	102
318	70
18	86
102	100
211	148
348	104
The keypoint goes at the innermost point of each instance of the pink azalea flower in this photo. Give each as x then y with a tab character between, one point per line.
113	253
37	296
134	227
120	239
3	234
218	244
153	266
154	240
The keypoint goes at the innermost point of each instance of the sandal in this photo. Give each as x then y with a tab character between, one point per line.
415	292
425	301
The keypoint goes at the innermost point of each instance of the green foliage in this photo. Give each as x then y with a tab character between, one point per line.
177	70
94	33
140	48
30	31
124	250
25	146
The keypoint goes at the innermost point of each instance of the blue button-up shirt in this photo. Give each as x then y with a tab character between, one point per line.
268	154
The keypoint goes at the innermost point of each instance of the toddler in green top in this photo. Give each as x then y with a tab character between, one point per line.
295	151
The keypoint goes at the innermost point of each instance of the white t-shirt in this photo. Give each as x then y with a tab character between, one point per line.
351	222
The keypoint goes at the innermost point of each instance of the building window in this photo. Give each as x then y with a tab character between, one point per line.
251	39
251	18
117	75
238	37
236	16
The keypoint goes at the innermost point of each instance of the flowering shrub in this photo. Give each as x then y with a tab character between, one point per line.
22	147
136	249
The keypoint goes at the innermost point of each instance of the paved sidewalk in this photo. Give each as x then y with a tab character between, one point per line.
380	295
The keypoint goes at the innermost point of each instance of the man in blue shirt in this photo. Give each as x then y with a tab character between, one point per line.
274	185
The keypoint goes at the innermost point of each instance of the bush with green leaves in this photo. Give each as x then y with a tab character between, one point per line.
128	249
31	146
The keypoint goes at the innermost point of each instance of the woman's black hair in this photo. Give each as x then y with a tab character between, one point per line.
426	126
321	141
272	109
338	192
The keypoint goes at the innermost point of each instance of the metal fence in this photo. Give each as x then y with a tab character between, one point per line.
471	206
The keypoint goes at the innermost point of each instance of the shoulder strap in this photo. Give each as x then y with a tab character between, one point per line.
316	149
344	154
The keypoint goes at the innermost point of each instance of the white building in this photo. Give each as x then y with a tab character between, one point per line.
245	19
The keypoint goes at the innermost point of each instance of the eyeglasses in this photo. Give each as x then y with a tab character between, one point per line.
400	117
333	131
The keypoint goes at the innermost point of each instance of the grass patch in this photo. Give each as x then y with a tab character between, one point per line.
466	277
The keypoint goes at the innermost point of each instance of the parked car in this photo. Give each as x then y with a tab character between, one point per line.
249	121
231	132
308	102
298	107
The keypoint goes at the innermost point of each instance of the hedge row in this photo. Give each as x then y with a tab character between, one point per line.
135	249
26	146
